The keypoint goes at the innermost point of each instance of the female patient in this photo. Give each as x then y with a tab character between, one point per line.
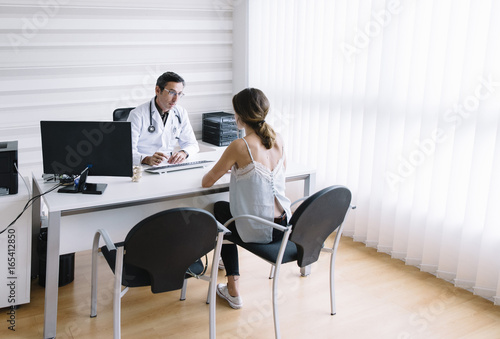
257	185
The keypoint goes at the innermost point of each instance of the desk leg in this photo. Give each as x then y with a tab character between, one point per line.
309	187
309	184
52	276
35	229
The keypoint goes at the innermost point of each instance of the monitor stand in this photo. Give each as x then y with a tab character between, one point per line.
94	188
83	186
68	189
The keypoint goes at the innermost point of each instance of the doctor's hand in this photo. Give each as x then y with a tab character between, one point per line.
177	157
155	159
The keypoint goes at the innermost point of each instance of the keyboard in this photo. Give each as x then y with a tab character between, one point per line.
178	167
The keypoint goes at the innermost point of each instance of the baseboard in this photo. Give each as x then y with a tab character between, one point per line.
487	293
415	262
398	255
432	269
448	276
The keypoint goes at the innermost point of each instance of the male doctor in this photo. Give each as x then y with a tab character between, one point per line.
159	124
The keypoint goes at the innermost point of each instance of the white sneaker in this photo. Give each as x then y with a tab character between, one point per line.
221	264
234	302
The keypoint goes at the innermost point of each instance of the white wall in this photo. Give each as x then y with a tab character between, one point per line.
79	60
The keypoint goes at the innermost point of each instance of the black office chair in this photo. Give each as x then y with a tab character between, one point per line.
159	252
314	220
121	114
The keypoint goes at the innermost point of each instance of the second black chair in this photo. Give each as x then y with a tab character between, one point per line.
121	114
159	252
314	220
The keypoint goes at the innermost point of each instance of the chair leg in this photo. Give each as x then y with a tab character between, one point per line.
305	271
93	289
93	286
183	291
332	284
277	267
210	282
275	303
332	268
117	293
212	285
271	273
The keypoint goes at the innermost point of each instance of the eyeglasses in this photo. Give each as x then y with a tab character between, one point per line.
174	93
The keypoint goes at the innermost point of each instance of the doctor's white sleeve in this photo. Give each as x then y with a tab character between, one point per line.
187	139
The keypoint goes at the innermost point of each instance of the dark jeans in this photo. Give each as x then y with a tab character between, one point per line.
229	252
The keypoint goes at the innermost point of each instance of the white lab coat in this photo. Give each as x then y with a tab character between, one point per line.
164	138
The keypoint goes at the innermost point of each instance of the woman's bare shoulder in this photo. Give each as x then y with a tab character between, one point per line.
237	145
279	141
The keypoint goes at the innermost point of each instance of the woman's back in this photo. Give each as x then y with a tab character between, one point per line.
269	158
257	187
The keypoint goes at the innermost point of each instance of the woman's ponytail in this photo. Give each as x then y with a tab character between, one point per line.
266	134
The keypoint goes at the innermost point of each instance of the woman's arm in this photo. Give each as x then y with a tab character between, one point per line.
226	161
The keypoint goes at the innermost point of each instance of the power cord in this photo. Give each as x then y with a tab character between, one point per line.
28	204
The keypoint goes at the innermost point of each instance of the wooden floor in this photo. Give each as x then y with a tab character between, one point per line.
377	297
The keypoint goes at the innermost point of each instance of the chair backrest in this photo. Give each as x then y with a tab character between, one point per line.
121	114
315	219
165	244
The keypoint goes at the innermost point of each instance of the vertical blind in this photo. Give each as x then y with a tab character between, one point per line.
399	101
81	59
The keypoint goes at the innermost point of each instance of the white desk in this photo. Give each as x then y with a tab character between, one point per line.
74	218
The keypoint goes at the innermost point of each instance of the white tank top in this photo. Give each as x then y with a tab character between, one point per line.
252	190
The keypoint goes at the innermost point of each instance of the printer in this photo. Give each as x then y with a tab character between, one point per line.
8	167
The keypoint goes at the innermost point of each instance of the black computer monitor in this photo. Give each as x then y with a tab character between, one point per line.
81	148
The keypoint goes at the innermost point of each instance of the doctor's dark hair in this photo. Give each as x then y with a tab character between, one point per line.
168	77
252	106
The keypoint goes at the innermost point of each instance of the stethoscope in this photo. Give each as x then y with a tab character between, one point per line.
151	128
